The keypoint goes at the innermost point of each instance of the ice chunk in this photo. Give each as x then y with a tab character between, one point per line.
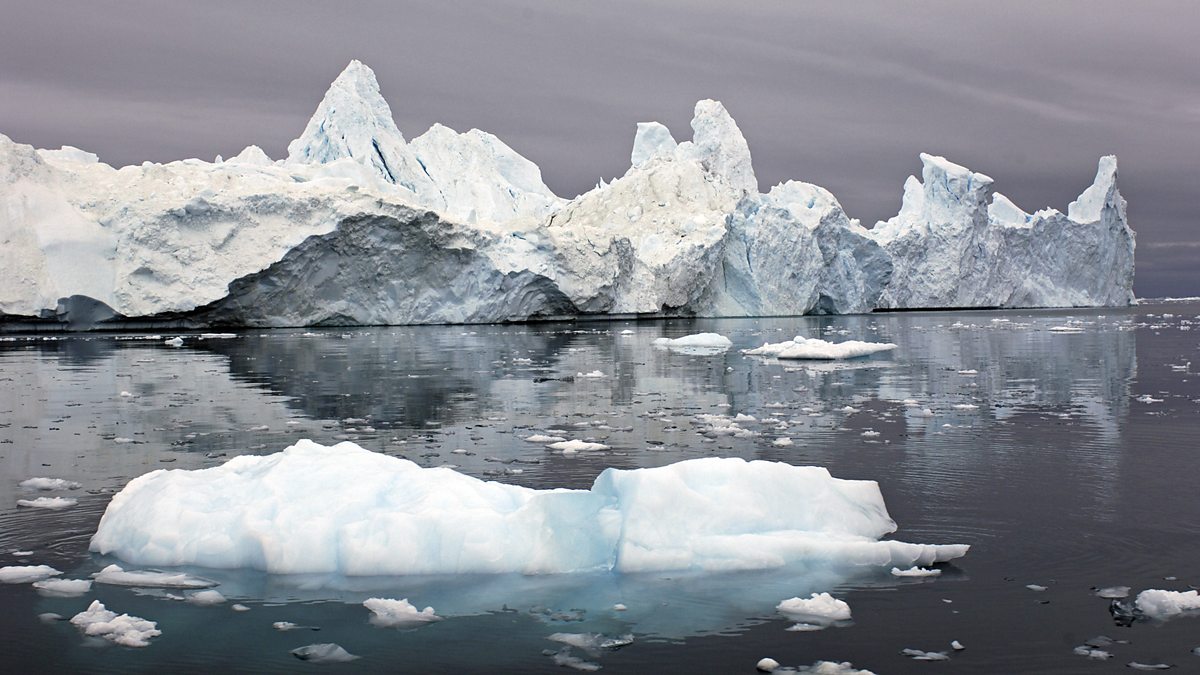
125	630
325	652
699	344
544	438
24	574
344	509
821	609
651	140
116	576
1138	665
921	655
574	446
386	612
766	665
63	588
1113	592
206	598
52	503
592	643
566	659
815	348
49	484
915	572
1161	604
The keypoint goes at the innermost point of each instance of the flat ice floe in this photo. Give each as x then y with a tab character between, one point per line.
115	575
25	574
346	510
700	344
63	588
815	348
51	503
49	484
388	613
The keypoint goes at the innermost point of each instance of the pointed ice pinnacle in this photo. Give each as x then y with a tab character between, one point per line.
651	139
720	146
353	120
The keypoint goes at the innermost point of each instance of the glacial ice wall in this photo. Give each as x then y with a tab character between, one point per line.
357	225
346	510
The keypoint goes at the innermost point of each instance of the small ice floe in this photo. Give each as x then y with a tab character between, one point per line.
968	372
544	438
174	342
50	617
1036	588
52	503
1162	605
915	572
1147	398
1138	665
566	659
116	576
239	607
627	332
815	348
26	574
126	394
924	412
957	646
122	629
206	598
782	442
766	665
619	607
63	588
965	406
921	655
47	484
285	626
1112	592
592	643
1065	330
593	374
574	446
389	613
869	433
325	652
1092	652
820	610
700	344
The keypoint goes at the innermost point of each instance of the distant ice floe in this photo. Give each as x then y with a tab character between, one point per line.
820	610
815	348
49	484
325	652
122	629
343	509
915	572
63	588
51	503
699	344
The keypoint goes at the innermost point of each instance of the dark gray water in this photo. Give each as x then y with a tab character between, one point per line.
1059	476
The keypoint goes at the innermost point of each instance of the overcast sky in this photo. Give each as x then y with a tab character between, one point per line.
841	94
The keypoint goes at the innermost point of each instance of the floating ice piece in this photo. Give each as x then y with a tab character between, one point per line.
49	484
700	344
575	445
206	598
821	609
123	629
239	607
1159	604
63	588
388	613
1147	398
593	374
957	646
174	342
566	659
782	442
1065	330
1113	592
1036	588
325	652
915	572
25	574
543	438
815	348
51	503
344	509
921	655
592	643
116	576
1092	652
1138	665
766	665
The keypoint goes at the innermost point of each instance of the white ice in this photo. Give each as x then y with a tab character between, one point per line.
123	629
49	484
816	348
24	574
51	503
1161	604
387	612
819	609
115	575
699	344
325	652
343	509
64	588
915	572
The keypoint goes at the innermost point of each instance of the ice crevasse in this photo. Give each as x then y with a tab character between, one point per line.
360	226
345	510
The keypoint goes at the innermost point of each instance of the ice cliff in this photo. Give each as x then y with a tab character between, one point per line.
357	225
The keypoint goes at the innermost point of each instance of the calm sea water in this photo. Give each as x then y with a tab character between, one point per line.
1077	468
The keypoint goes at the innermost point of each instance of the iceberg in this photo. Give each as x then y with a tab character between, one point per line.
345	510
123	629
359	226
815	348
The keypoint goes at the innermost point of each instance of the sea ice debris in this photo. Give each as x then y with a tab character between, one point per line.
386	612
24	574
325	652
122	629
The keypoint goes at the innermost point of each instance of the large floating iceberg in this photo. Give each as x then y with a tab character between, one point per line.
358	225
345	510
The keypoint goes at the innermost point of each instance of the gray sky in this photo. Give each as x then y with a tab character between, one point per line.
839	94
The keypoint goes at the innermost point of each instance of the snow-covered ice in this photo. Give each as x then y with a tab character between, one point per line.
388	612
343	509
699	344
122	629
